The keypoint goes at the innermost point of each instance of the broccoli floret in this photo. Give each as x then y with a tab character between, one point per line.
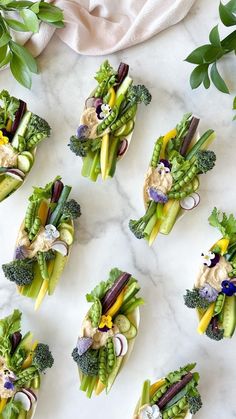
37	126
193	299
19	271
79	146
205	160
71	210
214	332
42	357
49	255
88	362
195	403
138	94
138	226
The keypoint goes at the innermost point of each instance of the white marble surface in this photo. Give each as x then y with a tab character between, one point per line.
167	337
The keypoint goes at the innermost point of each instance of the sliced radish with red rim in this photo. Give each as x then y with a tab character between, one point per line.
120	344
196	198
123	147
24	399
30	392
187	203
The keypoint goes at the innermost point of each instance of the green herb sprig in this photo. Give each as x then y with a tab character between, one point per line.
30	15
207	56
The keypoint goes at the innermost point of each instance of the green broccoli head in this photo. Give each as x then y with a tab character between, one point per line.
193	299
137	228
79	146
194	402
205	160
42	357
139	94
214	333
88	362
71	210
37	127
20	271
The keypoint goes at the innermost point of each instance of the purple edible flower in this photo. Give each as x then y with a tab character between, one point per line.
103	329
83	344
166	164
157	195
210	259
83	131
103	110
228	288
9	385
21	252
209	293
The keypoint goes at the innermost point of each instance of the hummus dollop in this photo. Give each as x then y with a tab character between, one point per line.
158	179
5	375
40	244
215	275
8	156
99	338
89	118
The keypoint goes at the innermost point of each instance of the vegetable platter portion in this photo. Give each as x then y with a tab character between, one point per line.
214	293
22	361
108	332
176	396
20	133
44	241
107	121
172	180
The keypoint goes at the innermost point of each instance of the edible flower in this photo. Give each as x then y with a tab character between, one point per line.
106	321
164	165
157	195
150	412
3	139
9	385
228	288
83	344
51	232
83	131
210	259
103	111
209	293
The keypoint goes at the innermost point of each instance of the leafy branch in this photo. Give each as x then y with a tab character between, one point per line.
30	15
207	56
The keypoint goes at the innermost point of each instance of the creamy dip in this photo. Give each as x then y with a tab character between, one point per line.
8	156
4	374
157	179
40	244
215	275
99	338
89	118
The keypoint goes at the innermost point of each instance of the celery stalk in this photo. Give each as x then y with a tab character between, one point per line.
93	172
85	382
87	164
151	223
145	397
170	218
91	386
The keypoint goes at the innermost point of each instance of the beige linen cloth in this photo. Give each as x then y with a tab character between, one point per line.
99	27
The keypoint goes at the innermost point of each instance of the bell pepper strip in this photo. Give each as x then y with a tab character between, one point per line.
28	361
112	98
104	155
154	387
116	306
206	319
43	211
100	387
44	287
223	244
167	137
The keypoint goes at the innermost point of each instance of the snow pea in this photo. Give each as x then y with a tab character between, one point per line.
156	152
129	114
186	178
179	194
30	214
111	356
95	313
22	144
176	409
219	304
159	393
34	140
35	228
42	265
103	365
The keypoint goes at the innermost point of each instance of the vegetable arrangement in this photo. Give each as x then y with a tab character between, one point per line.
108	332
172	180
176	396
208	55
23	16
22	361
20	133
214	293
44	241
107	122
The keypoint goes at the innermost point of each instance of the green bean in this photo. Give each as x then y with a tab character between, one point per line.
186	178
26	376
35	228
111	356
35	139
156	152
95	313
219	304
156	396
41	257
103	365
129	114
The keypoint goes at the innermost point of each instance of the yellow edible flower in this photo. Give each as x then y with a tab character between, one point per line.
106	321
3	139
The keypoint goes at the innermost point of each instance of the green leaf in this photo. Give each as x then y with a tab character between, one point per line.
197	56
229	43
226	16
59	24
20	71
35	7
225	224
49	13
213	54
25	56
16	25
6	60
4	39
30	19
231	5
214	37
217	79
19	4
234	103
206	81
3	53
198	75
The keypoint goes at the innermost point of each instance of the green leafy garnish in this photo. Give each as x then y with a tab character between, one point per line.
8	326
175	376
100	290
29	16
43	193
105	72
225	224
8	108
11	410
207	56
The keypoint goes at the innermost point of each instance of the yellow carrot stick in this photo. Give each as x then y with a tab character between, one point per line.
112	99
28	361
154	387
157	226
171	134
99	387
205	320
44	287
104	155
43	211
3	403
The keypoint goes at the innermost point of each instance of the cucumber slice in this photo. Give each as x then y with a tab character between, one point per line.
29	155
229	316
58	268
24	163
195	184
122	322
131	333
131	292
170	218
66	236
21	129
125	129
67	226
8	186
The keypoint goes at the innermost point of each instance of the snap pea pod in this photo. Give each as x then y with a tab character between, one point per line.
232	274
156	396
188	177
156	152
110	119
35	382
35	228
30	214
21	144
26	376
35	139
129	114
100	89
176	409
111	356
41	258
219	304
95	313
179	194
102	372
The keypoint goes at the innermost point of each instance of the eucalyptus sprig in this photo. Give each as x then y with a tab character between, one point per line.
29	16
207	56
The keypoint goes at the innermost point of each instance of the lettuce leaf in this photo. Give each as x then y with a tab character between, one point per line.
100	290
225	224
9	107
8	326
175	376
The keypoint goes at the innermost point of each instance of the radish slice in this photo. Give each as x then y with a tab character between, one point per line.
117	345
60	247
16	174
24	399
89	103
31	394
120	340
196	198
187	203
123	147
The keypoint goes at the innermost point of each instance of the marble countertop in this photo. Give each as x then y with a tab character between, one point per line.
167	337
